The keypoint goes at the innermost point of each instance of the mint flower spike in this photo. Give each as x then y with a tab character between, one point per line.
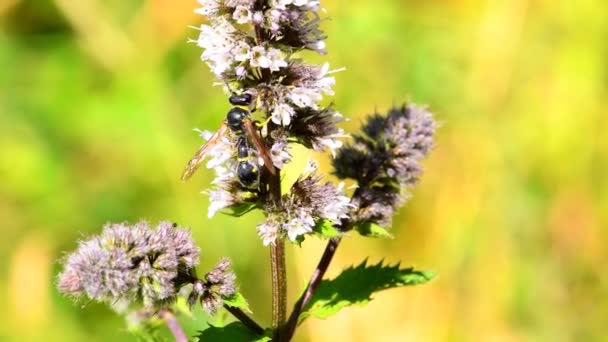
251	47
385	160
131	264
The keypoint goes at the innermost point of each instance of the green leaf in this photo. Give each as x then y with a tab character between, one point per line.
355	286
238	301
239	210
233	332
371	229
326	229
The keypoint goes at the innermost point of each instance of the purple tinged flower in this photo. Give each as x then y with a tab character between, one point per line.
308	201
385	159
279	153
318	129
130	264
219	284
270	230
221	279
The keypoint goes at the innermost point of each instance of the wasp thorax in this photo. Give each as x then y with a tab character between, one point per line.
235	118
240	100
247	174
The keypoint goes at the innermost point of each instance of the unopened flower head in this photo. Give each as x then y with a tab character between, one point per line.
218	284
385	159
130	264
318	128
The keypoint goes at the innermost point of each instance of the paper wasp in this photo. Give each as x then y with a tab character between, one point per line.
239	122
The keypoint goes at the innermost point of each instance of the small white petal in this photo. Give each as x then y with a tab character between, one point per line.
241	51
282	114
242	15
259	58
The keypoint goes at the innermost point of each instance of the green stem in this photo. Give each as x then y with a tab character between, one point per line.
278	269
279	287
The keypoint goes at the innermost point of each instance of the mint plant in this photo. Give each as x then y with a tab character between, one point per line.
254	49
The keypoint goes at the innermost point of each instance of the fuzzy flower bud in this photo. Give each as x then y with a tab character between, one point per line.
218	284
385	158
130	264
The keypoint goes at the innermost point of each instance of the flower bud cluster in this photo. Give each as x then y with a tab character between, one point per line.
130	264
385	159
218	284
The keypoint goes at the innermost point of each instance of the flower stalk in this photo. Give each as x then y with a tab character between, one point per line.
313	283
176	329
245	319
279	287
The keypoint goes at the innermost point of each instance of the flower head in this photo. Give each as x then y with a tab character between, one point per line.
130	263
218	284
308	201
318	129
385	159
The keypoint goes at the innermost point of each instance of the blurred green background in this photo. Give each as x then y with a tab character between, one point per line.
97	104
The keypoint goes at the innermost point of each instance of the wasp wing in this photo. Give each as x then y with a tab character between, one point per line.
260	145
199	156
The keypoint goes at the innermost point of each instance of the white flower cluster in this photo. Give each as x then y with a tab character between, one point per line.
228	49
232	51
222	159
308	202
250	46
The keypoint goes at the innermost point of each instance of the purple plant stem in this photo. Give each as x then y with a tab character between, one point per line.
314	282
173	325
245	319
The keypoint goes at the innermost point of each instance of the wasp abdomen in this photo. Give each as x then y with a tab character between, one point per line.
242	149
248	174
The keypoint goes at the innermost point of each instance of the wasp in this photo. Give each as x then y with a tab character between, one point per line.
239	122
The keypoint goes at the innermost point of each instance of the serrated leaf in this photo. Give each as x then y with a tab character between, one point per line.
326	229
233	332
239	210
371	229
355	286
237	301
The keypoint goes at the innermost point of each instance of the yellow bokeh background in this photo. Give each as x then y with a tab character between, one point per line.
97	104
